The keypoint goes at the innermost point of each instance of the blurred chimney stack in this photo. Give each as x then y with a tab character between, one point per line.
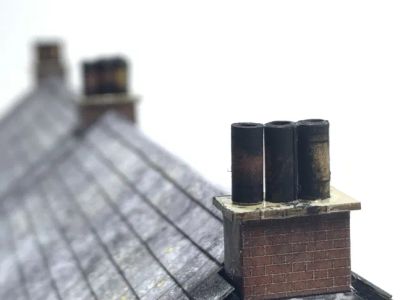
105	88
48	61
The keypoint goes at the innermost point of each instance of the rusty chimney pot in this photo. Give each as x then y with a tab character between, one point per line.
247	163
280	161
313	155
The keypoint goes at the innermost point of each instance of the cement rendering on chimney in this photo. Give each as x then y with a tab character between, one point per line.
338	202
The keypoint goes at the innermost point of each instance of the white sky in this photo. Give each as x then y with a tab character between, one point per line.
203	65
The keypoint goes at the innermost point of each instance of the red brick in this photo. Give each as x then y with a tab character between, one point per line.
278	259
276	296
278	278
280	249
320	255
323	245
257	251
338	253
299	276
339	272
256	281
318	274
338	289
321	283
254	241
262	280
258	271
299	247
296	257
301	266
339	222
278	269
278	226
300	257
301	237
342	281
319	265
256	261
320	235
341	262
277	288
298	286
344	243
311	246
256	231
279	239
259	290
338	234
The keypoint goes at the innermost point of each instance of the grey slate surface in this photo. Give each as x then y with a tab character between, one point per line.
110	215
32	127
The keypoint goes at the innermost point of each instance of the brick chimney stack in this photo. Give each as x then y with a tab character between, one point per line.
287	246
105	88
48	61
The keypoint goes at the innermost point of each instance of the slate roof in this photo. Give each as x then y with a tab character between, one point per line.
109	215
113	216
38	121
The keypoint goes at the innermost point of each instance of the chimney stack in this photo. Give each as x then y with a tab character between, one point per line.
287	246
48	62
105	88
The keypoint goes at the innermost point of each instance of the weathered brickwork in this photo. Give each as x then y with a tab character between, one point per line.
89	113
295	256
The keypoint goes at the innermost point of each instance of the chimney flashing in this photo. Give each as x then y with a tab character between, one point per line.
338	202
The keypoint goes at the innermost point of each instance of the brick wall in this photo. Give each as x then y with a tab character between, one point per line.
294	256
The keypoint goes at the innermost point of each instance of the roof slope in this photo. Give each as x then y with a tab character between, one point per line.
114	216
109	215
33	127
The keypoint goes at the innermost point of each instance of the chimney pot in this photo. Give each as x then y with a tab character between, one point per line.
247	163
313	156
280	161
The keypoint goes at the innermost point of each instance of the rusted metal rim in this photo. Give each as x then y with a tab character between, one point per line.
280	124
247	125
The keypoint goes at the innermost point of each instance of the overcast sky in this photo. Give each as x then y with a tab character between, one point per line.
203	65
